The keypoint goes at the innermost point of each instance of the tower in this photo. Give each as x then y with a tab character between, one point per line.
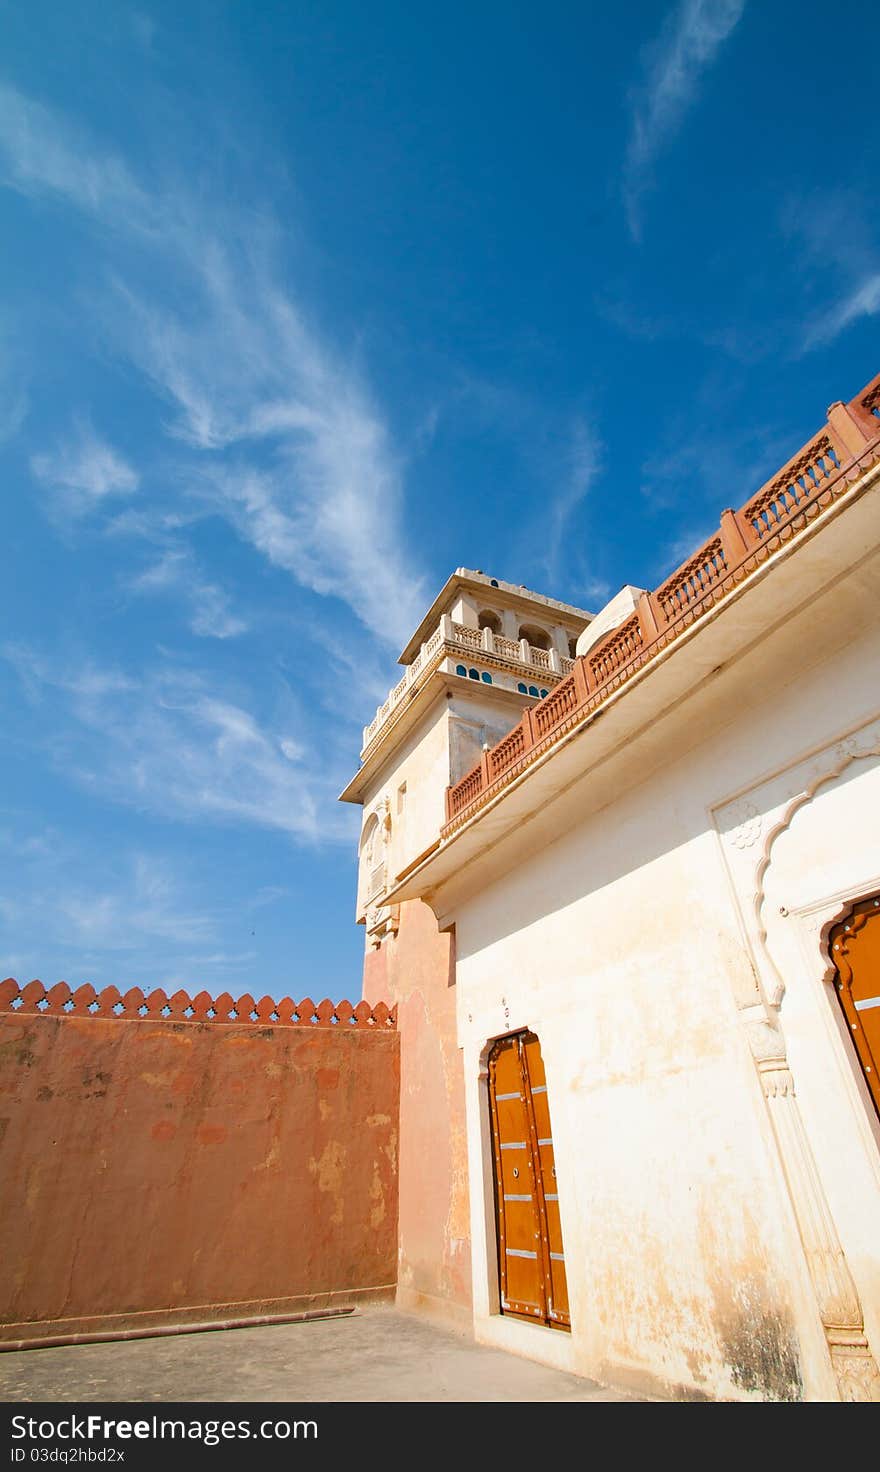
484	650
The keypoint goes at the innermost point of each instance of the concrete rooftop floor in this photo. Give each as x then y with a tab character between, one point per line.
375	1354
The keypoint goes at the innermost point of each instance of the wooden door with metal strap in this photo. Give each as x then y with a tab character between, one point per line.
854	947
530	1254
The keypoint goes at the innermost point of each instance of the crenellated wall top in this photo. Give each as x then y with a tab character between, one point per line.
135	1005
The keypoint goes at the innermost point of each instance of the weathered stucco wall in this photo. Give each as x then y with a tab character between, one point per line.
444	744
422	764
633	945
416	970
155	1170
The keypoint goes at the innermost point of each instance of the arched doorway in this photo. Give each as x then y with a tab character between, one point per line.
854	948
530	1255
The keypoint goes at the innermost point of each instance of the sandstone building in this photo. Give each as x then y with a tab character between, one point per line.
610	1096
621	877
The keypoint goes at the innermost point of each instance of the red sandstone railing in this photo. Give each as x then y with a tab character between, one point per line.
811	482
507	751
870	404
135	1005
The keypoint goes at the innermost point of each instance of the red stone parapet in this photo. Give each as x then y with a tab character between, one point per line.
812	481
135	1005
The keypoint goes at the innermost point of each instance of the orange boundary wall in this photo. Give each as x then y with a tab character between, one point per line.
160	1171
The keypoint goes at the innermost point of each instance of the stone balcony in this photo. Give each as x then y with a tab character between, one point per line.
454	641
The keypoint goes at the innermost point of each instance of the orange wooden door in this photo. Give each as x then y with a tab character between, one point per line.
855	950
554	1258
531	1262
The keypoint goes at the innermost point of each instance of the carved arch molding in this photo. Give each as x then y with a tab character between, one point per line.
754	831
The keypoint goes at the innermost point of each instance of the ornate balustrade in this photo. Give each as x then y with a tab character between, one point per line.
467	637
804	489
560	703
470	785
506	751
616	650
692	580
461	639
794	486
871	403
135	1005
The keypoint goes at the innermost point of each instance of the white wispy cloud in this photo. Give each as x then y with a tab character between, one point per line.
310	477
81	681
561	454
176	571
13	386
686	46
835	261
168	744
862	301
13	411
82	471
76	912
145	905
316	484
143	28
41	153
583	463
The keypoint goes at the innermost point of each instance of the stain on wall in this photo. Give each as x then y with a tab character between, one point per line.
415	969
156	1170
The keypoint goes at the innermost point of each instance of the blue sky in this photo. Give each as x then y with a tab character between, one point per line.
305	305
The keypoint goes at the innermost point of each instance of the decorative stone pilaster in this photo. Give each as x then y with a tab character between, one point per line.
852	1360
749	827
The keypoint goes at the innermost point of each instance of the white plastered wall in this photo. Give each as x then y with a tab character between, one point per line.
451	732
801	847
421	763
629	946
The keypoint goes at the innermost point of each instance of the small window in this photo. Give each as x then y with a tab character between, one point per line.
523	689
461	669
486	677
533	690
473	674
489	620
543	694
573	648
